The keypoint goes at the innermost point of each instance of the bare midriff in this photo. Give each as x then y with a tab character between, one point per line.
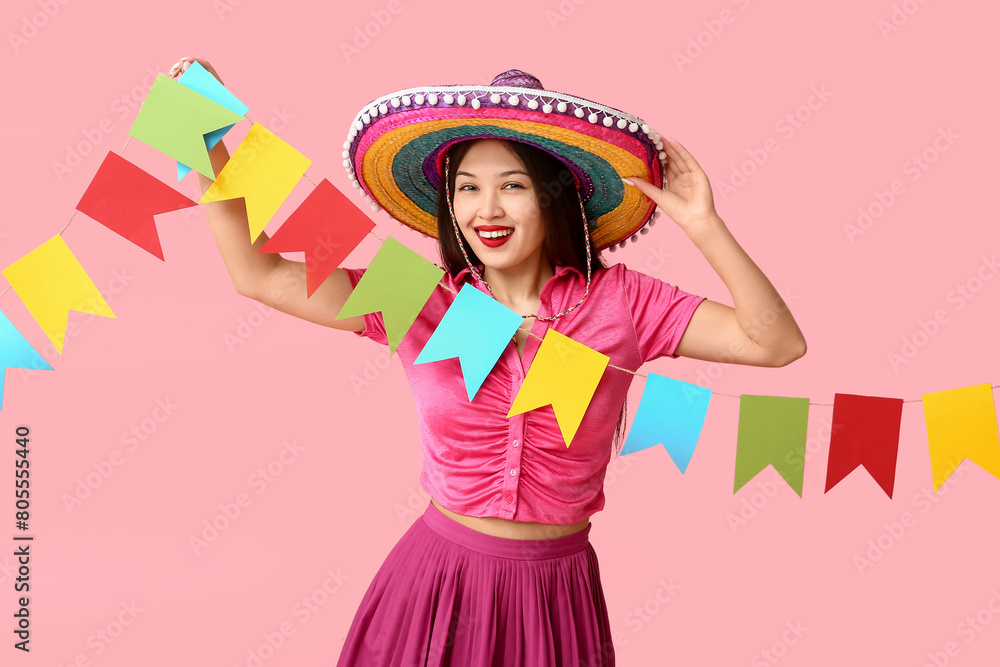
514	530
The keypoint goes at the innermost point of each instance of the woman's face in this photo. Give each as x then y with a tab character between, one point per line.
495	196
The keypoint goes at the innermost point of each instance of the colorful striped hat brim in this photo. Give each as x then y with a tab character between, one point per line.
395	149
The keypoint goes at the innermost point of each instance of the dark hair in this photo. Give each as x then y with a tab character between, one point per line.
555	192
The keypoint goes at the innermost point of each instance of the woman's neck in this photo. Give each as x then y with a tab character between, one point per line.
520	285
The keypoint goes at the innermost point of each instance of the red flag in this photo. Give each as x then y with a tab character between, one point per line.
124	198
865	432
327	226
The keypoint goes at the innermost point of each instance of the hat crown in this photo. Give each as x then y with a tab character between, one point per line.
517	78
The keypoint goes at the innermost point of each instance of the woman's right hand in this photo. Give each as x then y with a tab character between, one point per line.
181	66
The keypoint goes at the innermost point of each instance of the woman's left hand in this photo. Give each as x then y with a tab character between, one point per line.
687	194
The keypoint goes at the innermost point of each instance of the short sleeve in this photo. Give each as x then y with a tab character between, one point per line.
374	325
660	313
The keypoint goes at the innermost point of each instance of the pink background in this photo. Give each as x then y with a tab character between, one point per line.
351	491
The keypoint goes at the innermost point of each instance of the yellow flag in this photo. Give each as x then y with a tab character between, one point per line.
565	374
962	424
263	170
51	283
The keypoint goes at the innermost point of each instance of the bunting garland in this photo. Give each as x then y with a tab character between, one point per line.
183	119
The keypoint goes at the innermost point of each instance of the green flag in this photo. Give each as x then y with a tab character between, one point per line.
398	282
772	431
174	120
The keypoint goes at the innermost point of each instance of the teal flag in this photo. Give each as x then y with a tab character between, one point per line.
16	352
670	413
476	328
198	79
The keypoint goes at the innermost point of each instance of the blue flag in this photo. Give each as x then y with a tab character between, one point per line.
476	329
670	413
16	352
198	79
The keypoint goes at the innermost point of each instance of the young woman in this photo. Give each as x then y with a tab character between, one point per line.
523	187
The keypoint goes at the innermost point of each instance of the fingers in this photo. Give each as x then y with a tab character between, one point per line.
646	188
180	66
681	154
672	170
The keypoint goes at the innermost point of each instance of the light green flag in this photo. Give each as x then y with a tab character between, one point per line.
772	431
174	120
398	282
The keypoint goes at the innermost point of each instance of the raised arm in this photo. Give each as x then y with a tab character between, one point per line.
759	330
268	277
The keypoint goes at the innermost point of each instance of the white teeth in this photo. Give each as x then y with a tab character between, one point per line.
494	235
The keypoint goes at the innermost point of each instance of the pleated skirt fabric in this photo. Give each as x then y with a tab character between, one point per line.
449	595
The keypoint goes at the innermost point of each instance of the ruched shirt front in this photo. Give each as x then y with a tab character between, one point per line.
478	462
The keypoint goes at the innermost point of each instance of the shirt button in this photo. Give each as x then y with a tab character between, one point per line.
513	471
515	443
510	499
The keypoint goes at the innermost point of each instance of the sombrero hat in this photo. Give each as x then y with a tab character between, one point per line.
395	149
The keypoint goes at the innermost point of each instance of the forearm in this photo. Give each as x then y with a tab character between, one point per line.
228	221
760	310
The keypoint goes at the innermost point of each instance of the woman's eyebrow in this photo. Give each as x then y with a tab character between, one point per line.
500	175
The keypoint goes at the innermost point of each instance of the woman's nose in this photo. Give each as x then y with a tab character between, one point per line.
490	207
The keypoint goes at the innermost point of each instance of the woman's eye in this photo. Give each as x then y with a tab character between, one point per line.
469	185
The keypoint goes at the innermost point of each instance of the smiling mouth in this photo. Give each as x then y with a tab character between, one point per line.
494	234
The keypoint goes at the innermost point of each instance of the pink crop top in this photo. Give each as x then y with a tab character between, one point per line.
478	462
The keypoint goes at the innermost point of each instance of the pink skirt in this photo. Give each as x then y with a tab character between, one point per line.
449	595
